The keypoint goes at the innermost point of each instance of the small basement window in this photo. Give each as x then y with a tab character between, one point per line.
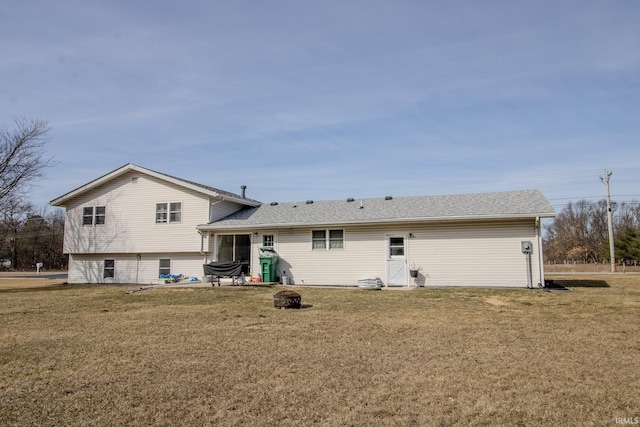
165	267
109	268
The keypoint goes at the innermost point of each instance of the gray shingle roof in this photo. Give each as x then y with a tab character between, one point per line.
501	205
206	187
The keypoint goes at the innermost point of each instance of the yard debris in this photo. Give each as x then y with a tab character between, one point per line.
178	278
167	282
370	283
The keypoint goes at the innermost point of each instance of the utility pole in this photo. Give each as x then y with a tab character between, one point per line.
612	250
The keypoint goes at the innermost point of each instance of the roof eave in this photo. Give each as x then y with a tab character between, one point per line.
463	218
225	197
62	200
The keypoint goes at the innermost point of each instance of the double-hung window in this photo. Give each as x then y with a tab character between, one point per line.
93	215
327	239
168	212
99	215
109	268
175	212
319	239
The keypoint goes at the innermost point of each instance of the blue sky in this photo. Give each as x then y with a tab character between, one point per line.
331	99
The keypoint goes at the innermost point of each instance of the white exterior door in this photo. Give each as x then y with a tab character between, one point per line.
396	261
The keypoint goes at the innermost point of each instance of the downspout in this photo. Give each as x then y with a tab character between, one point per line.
138	258
202	252
202	236
540	257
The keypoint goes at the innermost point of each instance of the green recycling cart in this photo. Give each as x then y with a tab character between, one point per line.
268	265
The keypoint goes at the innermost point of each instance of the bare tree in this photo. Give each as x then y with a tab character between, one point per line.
12	218
22	156
28	237
578	232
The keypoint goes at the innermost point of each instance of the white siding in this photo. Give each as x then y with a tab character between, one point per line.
130	218
221	209
130	229
488	255
128	269
484	254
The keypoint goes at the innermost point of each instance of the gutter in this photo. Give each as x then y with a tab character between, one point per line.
240	225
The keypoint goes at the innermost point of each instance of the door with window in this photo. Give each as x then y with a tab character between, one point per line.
396	261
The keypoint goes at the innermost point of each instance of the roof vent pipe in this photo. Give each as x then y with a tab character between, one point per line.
243	188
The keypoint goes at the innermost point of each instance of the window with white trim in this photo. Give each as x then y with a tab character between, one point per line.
109	268
268	240
168	212
336	239
396	247
164	266
175	212
327	239
99	215
93	215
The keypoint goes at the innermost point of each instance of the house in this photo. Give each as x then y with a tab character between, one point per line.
133	224
454	240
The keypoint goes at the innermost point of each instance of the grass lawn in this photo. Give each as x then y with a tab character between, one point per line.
95	355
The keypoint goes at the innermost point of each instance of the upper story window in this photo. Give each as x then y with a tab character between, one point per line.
327	239
93	215
168	212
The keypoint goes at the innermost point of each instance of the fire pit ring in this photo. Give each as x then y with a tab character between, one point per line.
287	299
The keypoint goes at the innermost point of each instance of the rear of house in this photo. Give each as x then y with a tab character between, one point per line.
462	240
133	225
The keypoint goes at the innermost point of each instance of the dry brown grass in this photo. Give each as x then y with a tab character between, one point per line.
94	355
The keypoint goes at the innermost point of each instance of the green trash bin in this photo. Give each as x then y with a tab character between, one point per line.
268	265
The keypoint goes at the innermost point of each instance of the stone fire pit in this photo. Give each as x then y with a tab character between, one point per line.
286	299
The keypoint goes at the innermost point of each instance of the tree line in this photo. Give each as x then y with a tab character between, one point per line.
579	233
27	236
